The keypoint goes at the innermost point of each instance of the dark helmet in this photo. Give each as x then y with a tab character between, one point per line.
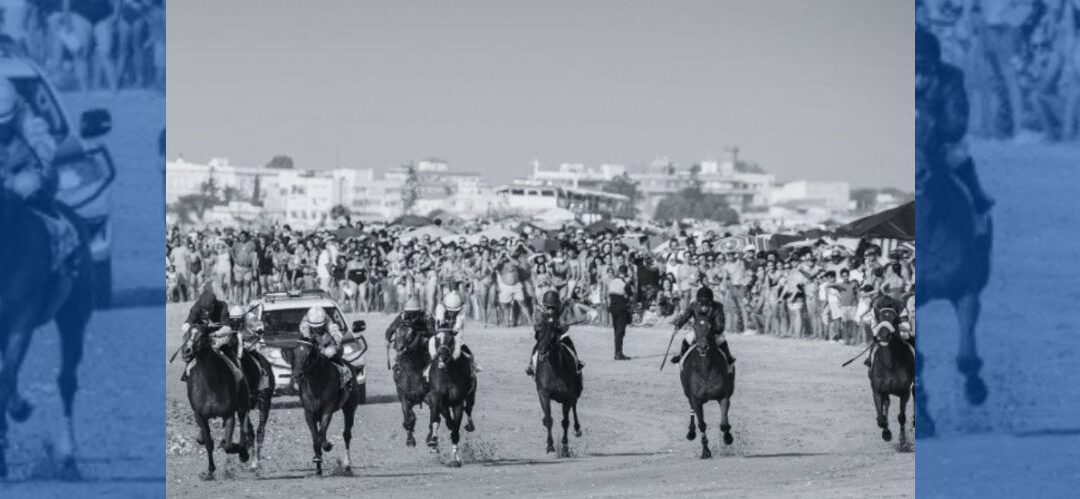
704	294
927	48
551	299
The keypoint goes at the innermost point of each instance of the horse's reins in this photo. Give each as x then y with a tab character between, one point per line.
868	347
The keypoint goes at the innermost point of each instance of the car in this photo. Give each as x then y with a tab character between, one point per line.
280	314
84	166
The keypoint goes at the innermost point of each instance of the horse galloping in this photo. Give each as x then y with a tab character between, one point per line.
33	293
260	380
214	392
409	365
954	264
452	391
557	378
892	372
706	376
322	393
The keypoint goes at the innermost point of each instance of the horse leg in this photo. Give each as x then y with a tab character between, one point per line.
453	420
470	401
245	422
968	361
691	432
349	413
577	425
881	403
409	421
565	451
14	351
208	442
316	445
324	425
433	426
227	444
545	405
923	424
902	418
699	411
71	325
725	425
264	415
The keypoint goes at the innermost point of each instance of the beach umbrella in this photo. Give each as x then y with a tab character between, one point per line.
347	232
600	227
432	231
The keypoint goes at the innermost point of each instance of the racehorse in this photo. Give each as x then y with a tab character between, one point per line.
322	394
409	365
705	376
214	392
31	295
892	372
557	378
452	390
258	373
954	264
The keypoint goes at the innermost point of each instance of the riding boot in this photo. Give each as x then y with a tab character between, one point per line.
682	351
870	354
966	174
727	352
570	343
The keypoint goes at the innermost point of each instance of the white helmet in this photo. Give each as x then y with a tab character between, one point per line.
316	316
452	301
236	312
9	100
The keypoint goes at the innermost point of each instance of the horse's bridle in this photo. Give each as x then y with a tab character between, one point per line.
309	344
444	347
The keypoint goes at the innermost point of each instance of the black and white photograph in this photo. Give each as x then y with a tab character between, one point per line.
594	248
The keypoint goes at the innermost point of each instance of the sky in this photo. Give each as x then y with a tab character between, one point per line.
816	90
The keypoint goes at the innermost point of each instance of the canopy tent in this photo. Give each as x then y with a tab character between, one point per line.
895	223
347	232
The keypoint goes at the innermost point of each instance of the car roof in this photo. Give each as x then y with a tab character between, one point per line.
293	301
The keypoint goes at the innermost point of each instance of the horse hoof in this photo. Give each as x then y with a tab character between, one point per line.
577	433
410	441
564	452
206	476
469	427
243	455
347	471
886	435
690	435
20	410
706	454
728	439
327	447
454	464
550	448
976	390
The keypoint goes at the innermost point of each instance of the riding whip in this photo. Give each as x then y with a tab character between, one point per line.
663	360
845	364
177	352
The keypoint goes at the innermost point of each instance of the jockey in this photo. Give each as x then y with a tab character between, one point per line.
414	318
941	99
448	318
27	151
213	314
250	334
887	311
328	337
551	313
704	307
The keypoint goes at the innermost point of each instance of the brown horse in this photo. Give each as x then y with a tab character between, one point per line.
451	394
214	392
409	365
892	370
32	294
953	257
705	376
557	378
322	394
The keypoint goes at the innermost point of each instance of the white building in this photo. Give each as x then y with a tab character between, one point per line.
805	193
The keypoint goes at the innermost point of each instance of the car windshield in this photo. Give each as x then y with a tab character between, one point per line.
287	321
39	100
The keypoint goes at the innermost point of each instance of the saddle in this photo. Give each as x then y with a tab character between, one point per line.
682	361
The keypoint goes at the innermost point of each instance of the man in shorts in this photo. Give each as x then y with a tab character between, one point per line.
244	259
846	301
511	291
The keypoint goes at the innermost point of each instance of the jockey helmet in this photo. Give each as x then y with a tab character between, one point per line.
316	317
412	304
236	312
551	299
704	294
9	101
452	302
